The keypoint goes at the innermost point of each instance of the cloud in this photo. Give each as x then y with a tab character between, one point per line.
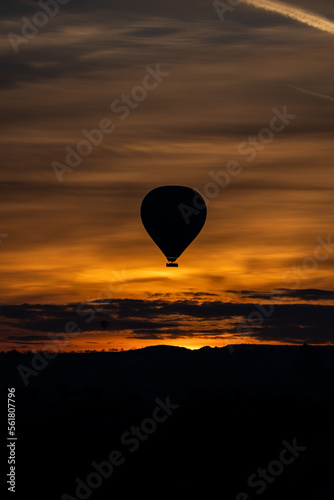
315	94
183	319
297	323
298	14
32	338
154	32
307	294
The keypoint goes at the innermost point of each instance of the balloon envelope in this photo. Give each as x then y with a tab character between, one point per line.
104	324
173	216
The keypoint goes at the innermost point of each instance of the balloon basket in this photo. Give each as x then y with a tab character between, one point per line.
172	264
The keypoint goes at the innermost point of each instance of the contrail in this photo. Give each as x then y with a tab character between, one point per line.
322	96
295	13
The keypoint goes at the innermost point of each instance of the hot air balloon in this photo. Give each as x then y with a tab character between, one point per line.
173	216
104	324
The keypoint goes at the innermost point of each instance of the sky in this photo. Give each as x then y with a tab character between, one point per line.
234	102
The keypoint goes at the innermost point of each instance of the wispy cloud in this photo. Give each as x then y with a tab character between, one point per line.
300	15
316	94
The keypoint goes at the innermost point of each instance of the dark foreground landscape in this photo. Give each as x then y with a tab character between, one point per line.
242	423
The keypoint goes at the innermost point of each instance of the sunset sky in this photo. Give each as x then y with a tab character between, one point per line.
71	242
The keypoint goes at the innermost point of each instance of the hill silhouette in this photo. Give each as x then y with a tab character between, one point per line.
235	408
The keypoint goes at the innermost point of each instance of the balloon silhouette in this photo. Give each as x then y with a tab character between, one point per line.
173	216
104	324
